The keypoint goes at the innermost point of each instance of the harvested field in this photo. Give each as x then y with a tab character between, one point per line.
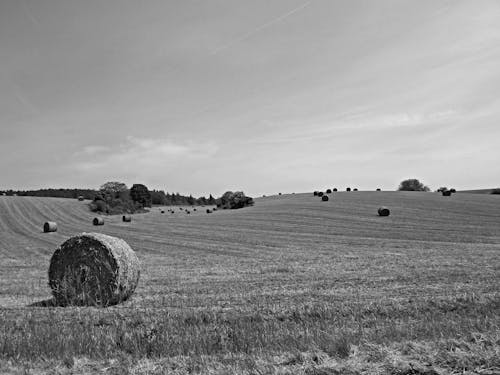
290	285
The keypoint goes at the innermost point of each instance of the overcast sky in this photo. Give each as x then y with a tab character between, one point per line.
261	96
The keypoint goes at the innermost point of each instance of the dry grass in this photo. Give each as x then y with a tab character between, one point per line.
289	286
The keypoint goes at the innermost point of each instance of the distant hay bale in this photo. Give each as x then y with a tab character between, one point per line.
446	193
378	189
324	198
320	194
93	269
127	218
279	193
209	211
383	211
194	209
98	221
328	191
453	190
81	198
50	226
316	193
162	211
355	189
334	189
348	189
214	209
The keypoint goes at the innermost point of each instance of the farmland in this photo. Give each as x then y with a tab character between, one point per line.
292	285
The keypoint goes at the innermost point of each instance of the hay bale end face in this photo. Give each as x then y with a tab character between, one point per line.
98	221
50	226
93	269
126	218
383	211
208	211
324	198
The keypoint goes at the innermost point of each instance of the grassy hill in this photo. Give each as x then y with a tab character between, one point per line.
292	285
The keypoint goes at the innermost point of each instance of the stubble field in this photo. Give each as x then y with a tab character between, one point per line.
292	285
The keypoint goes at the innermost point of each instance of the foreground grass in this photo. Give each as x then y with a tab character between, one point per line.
291	286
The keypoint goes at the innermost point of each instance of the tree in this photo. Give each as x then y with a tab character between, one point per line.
234	200
114	187
139	193
412	184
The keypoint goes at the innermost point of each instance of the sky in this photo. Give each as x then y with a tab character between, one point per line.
263	96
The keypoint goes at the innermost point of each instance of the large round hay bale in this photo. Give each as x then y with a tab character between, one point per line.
320	194
446	193
50	226
383	211
334	189
98	221
328	191
315	193
214	209
348	189
378	189
355	189
126	218
93	269
162	211
208	211
324	198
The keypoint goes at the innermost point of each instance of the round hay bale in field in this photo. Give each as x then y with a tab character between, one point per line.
214	209
126	218
453	190
320	194
328	191
324	198
334	189
93	269
316	193
98	221
81	198
378	189
188	212
348	189
446	193
209	211
194	209
383	211
50	226
355	189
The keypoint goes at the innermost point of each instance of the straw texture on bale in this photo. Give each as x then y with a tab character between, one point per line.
127	218
50	226
324	198
93	269
383	211
98	221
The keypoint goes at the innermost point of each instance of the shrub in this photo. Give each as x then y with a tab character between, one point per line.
495	191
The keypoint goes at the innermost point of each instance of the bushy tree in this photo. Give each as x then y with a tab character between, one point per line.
139	193
234	200
412	184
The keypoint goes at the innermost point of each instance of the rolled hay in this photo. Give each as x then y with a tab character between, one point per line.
188	212
126	218
320	194
383	211
81	198
355	189
334	189
162	211
214	209
208	211
315	193
446	193
93	269
348	189
324	198
378	189
50	226
194	209
328	191
98	221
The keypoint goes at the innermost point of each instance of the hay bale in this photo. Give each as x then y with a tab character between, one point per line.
214	209
126	218
348	189
324	198
194	209
81	198
446	193
209	211
188	212
50	226
162	211
93	269
328	191
316	193
378	189
279	193
320	194
98	221
334	189
355	189
383	211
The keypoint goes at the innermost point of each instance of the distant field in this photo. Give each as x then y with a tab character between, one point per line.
292	285
477	191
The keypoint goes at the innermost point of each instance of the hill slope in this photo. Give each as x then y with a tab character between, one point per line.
267	274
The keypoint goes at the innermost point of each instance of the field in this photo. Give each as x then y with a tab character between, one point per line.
292	285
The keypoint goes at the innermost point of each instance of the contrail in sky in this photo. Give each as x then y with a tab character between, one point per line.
261	27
